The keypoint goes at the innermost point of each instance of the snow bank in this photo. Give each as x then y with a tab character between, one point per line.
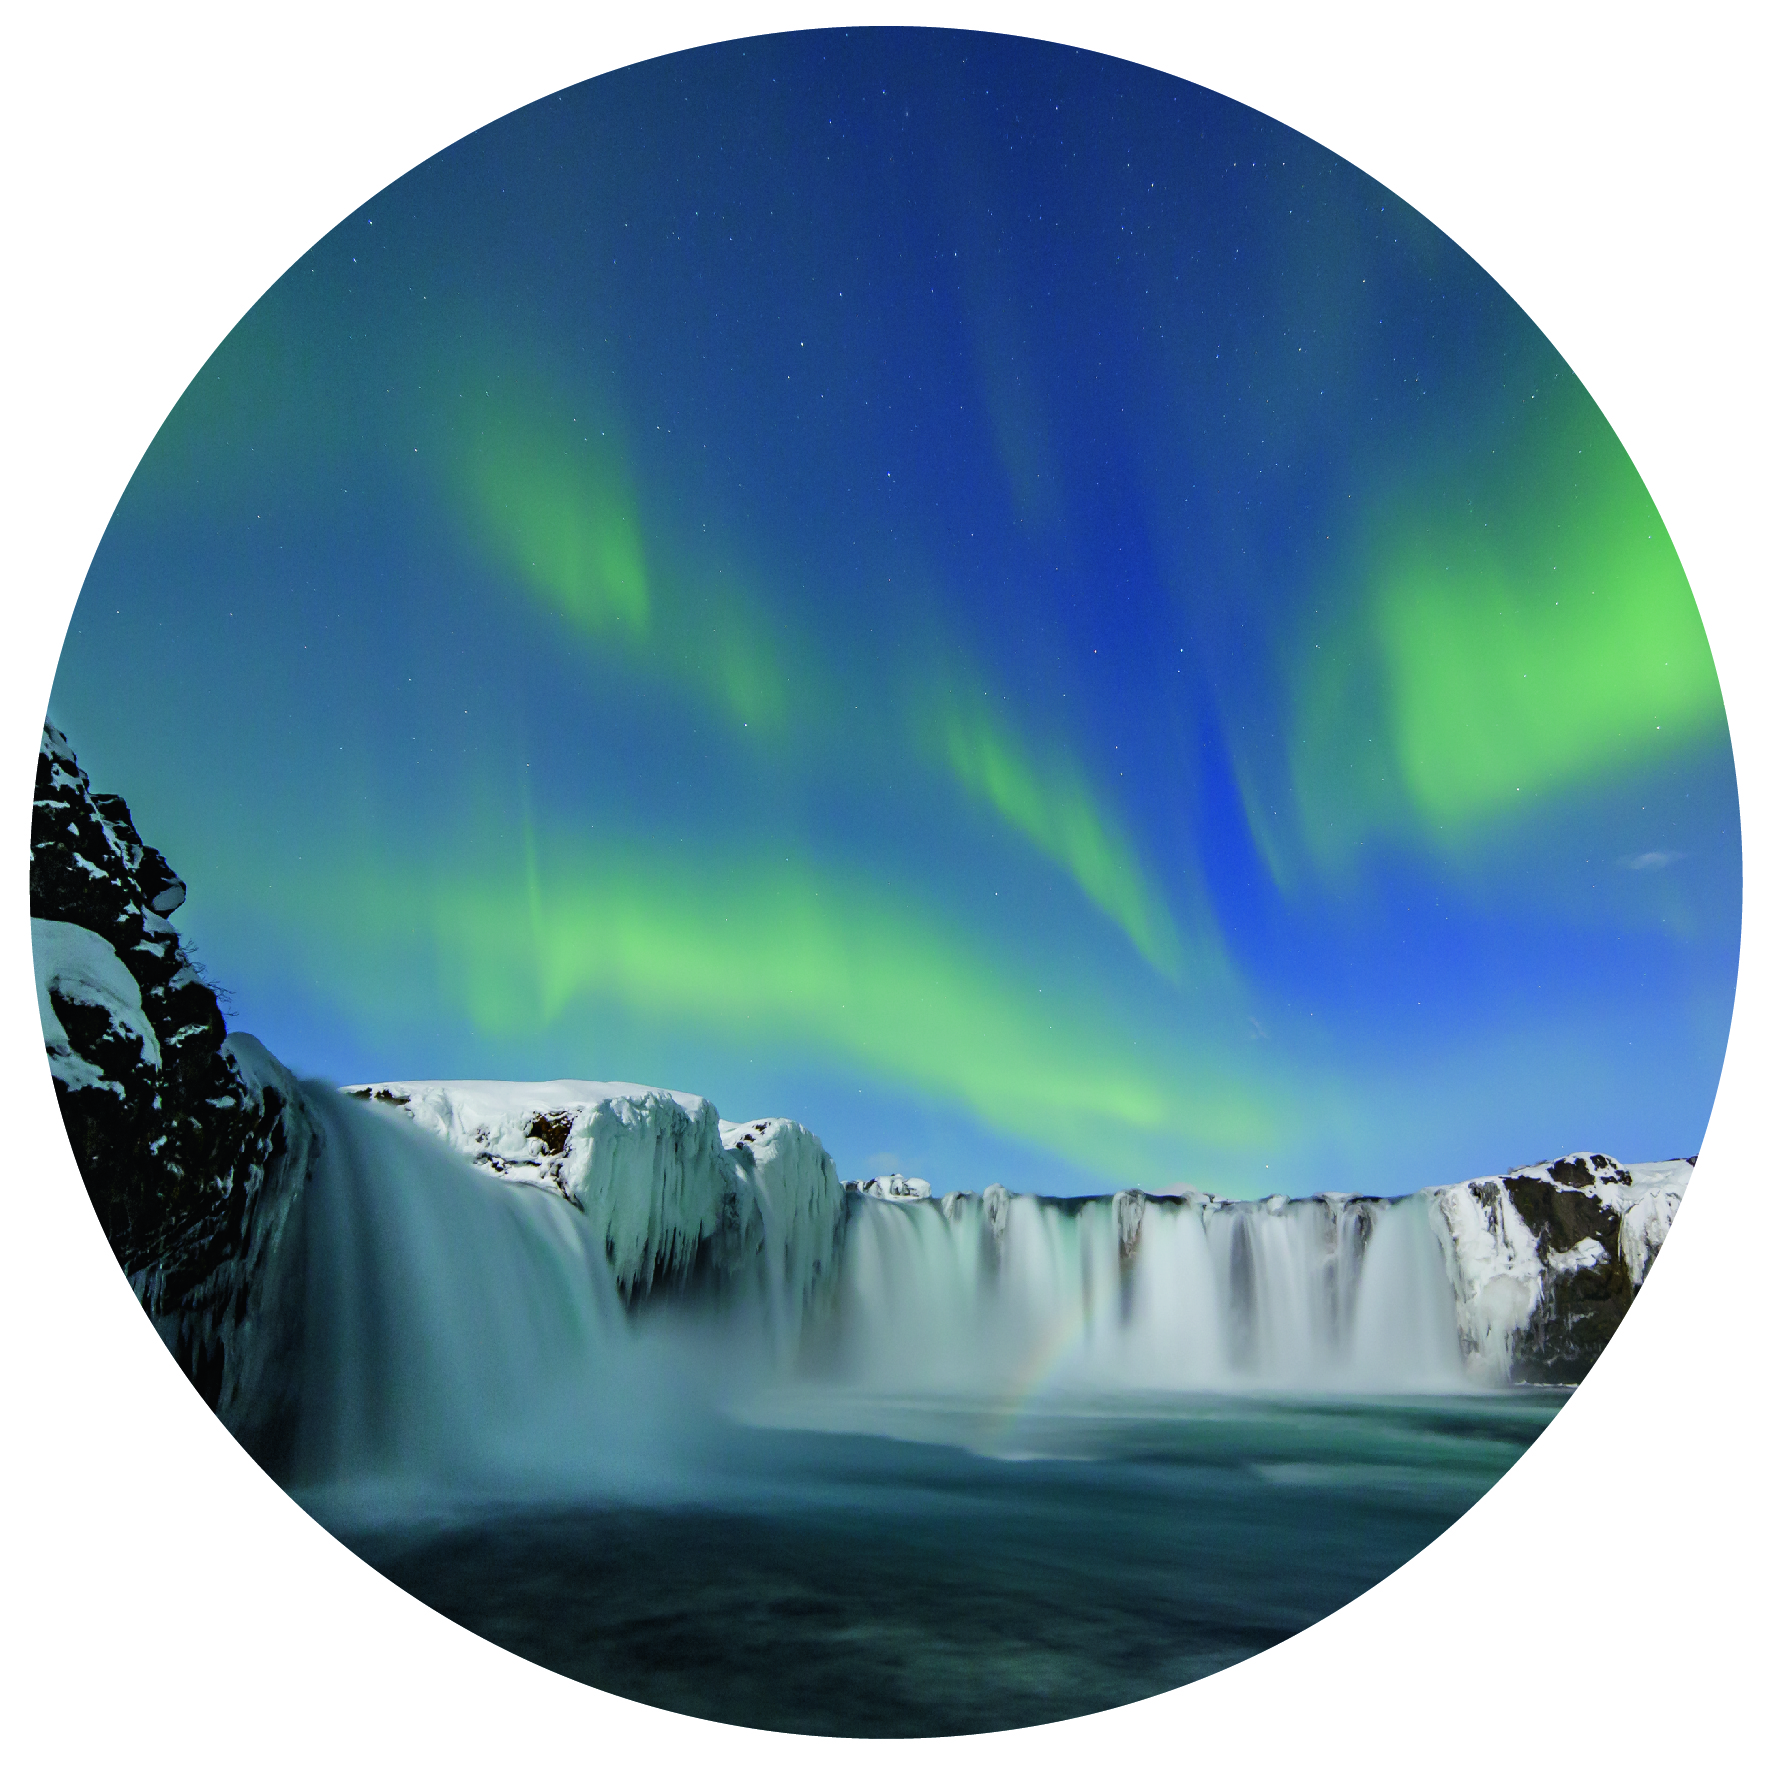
892	1187
79	966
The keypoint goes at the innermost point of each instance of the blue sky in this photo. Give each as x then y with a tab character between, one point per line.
973	594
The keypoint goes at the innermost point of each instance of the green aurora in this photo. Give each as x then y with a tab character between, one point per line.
1051	630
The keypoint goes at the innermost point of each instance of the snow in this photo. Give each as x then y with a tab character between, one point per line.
258	1069
1676	1173
55	744
1587	1253
892	1187
80	966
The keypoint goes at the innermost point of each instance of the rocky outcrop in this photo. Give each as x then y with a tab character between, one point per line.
191	1141
1546	1259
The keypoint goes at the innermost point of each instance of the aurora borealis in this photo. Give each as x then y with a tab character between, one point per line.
977	596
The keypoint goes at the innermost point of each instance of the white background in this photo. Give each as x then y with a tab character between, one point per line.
163	1601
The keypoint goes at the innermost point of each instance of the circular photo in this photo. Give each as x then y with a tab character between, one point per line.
886	882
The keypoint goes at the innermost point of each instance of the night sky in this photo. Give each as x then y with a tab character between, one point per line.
972	594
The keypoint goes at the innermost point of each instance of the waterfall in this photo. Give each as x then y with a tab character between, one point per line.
464	1333
1404	1332
1006	1296
464	1336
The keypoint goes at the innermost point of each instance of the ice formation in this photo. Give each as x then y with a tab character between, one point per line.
666	1187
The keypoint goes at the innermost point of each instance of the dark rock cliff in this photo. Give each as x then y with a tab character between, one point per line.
191	1141
1580	1235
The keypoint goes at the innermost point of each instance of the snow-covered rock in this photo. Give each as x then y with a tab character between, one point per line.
1545	1260
892	1187
191	1141
79	969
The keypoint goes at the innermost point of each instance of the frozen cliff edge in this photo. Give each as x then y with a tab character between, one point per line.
669	1189
1534	1269
1545	1260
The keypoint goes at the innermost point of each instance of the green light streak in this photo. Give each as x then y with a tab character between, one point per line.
1052	806
1502	685
1493	664
548	498
532	870
739	656
565	523
780	957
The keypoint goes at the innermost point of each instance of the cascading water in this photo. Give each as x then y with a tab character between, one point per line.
1006	1295
653	1400
465	1334
1403	1331
462	1336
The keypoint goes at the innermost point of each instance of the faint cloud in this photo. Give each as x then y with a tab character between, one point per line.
885	1163
1651	859
1257	1030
